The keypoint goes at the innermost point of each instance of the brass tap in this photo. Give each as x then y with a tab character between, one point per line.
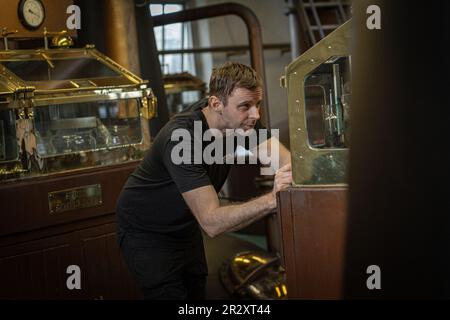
5	34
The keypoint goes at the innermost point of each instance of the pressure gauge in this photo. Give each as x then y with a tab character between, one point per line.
31	13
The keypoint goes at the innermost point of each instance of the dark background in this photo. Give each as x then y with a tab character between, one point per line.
399	158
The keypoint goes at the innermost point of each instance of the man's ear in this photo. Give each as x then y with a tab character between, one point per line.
216	104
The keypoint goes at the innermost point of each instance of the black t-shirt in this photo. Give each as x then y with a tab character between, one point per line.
150	204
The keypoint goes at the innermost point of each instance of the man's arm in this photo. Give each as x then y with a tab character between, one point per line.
268	146
215	219
285	155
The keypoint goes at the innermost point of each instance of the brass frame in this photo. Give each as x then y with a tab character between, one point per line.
23	96
303	155
127	86
132	82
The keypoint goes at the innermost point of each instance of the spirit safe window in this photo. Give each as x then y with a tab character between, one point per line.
178	101
87	126
59	69
69	109
8	143
182	89
327	104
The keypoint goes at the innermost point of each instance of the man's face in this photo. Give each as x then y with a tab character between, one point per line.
242	109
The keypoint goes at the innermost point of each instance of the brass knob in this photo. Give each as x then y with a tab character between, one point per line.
60	38
62	41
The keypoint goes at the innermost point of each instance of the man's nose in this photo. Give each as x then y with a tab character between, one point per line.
254	113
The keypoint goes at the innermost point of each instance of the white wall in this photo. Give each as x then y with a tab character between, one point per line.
230	30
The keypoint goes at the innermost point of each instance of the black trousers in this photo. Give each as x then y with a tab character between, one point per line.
166	272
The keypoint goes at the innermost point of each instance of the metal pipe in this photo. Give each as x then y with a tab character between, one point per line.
298	41
281	46
120	24
150	66
253	30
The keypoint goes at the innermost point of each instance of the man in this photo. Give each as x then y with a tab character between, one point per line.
165	201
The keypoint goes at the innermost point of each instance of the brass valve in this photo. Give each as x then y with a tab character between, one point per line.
5	34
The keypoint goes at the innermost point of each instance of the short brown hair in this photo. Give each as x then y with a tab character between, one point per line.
231	75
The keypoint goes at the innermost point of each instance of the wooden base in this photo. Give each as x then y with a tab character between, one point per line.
313	224
37	247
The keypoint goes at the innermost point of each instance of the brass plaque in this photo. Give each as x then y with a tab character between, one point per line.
75	198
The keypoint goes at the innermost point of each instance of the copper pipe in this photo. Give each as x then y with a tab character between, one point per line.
122	45
253	30
120	33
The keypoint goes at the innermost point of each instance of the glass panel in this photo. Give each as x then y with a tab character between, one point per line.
171	37
172	34
8	143
71	128
173	62
159	37
156	9
68	69
176	102
3	91
170	8
327	104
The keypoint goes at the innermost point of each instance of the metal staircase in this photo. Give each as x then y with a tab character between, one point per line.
318	18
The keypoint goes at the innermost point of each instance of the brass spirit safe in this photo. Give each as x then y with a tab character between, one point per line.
313	214
73	127
319	97
66	109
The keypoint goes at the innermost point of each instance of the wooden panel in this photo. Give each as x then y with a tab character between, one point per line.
36	247
37	270
105	272
55	12
287	236
313	226
25	204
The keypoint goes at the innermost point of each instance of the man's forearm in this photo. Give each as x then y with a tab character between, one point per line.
281	157
248	222
235	217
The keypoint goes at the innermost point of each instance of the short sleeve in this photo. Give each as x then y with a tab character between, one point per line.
186	175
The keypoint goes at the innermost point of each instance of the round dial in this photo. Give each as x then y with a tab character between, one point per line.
31	13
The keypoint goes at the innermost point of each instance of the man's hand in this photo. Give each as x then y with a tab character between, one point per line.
215	219
283	179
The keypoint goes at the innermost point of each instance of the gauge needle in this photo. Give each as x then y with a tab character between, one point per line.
32	12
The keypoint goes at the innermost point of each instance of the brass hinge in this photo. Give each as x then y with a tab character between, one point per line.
149	105
283	82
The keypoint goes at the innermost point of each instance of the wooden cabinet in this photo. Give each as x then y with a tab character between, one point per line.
106	275
36	269
312	226
36	247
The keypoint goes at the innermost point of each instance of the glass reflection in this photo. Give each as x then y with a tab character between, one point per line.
327	104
